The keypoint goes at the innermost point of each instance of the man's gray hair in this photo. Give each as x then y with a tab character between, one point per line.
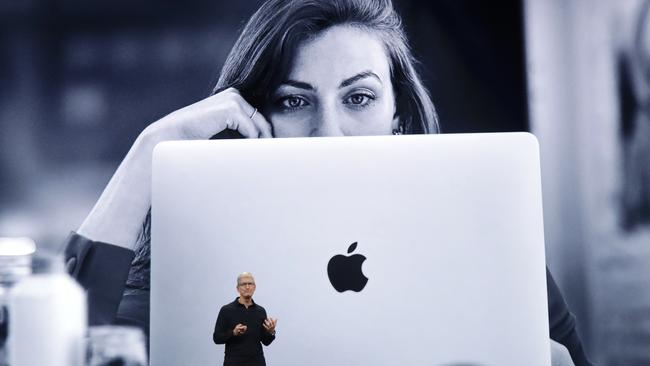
245	274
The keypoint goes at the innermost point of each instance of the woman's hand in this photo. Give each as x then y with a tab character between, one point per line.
118	215
209	116
560	355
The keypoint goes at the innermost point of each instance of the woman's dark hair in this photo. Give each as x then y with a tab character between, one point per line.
262	56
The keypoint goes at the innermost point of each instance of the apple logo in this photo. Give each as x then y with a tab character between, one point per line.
345	273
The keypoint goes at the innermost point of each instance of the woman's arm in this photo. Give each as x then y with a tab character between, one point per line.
102	270
100	253
118	214
562	324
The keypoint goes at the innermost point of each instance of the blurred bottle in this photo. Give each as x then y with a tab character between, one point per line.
117	346
48	317
15	264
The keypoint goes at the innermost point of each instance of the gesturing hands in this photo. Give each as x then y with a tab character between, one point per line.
269	325
239	330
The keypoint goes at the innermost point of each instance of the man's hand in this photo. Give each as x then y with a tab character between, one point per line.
239	330
269	325
560	355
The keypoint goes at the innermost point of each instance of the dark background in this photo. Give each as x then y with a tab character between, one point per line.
94	74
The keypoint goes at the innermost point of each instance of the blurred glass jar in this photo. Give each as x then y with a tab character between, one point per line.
110	345
15	264
47	316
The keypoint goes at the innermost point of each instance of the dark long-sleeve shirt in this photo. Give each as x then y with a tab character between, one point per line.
102	270
247	344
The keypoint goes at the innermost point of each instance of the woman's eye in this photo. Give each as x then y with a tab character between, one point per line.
359	99
293	102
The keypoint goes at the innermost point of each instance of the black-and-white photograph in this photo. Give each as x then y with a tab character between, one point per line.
319	182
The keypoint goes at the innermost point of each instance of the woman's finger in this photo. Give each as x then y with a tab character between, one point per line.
263	125
254	115
239	121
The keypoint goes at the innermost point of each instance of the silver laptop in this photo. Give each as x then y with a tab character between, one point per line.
391	250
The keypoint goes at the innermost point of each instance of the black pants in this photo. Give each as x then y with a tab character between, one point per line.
257	360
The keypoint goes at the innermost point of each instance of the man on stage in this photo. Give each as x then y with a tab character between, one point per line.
242	325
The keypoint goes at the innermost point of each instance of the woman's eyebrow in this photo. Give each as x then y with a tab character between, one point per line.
344	83
297	84
359	76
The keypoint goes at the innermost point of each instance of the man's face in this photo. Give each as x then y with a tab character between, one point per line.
246	287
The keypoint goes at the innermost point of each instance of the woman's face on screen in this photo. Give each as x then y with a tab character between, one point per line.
339	84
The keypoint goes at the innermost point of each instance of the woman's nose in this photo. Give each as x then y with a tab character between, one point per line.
328	122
